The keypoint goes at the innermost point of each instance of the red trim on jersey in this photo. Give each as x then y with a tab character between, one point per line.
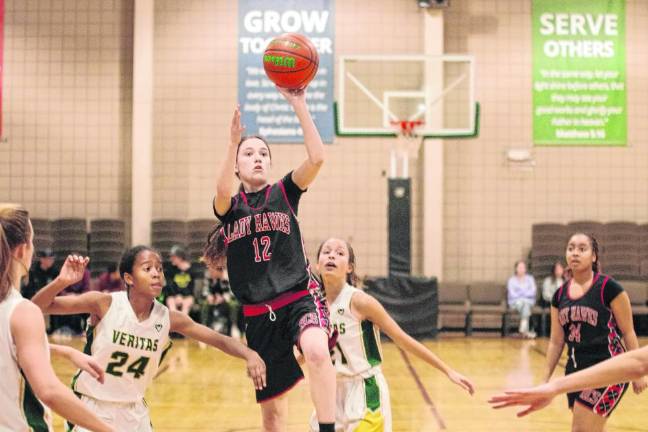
560	292
276	303
596	277
267	194
607	278
285	195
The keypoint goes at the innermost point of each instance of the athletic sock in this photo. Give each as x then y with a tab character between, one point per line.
327	427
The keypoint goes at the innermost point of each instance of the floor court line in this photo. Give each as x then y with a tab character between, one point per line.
422	390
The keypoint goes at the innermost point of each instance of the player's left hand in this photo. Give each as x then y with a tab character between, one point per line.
256	369
293	95
639	385
87	364
462	381
534	398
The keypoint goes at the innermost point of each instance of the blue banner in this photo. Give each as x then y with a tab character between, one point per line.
263	110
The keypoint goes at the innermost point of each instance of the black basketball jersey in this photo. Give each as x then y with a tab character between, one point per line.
265	251
591	331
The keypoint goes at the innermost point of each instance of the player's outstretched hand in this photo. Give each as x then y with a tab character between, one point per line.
462	381
73	269
293	95
256	369
534	399
236	128
88	364
639	385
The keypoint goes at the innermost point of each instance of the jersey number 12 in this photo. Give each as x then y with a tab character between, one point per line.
266	254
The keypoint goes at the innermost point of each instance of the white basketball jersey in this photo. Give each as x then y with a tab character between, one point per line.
130	351
357	351
19	408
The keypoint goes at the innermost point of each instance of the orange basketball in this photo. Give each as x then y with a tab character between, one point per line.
291	61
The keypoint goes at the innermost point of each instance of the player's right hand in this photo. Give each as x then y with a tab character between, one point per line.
73	269
236	128
462	381
534	398
256	370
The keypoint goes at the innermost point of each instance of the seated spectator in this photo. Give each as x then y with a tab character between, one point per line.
521	289
552	282
110	280
41	273
215	311
180	281
221	310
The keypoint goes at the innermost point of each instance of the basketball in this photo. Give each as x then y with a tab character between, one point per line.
291	61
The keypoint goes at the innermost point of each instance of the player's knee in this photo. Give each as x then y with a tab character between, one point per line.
272	420
316	354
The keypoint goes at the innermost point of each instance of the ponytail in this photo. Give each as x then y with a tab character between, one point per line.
352	278
596	265
216	247
14	231
5	265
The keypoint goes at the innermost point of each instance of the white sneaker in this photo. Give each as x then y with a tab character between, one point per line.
236	333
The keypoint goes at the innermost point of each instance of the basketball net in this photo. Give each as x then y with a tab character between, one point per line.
406	146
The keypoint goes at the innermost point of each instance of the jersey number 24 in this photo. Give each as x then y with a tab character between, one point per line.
137	368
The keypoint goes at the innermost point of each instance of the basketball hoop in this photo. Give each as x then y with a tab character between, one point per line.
406	145
407	127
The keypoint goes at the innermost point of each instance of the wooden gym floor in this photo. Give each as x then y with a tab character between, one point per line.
201	389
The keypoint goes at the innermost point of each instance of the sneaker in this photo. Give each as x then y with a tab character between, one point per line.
236	333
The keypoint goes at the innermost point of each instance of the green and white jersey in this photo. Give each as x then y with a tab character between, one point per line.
19	408
130	351
357	352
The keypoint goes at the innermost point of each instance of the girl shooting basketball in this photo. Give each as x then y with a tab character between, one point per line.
27	375
130	335
268	269
591	314
362	393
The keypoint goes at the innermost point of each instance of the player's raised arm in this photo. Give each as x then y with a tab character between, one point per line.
304	175
224	184
92	302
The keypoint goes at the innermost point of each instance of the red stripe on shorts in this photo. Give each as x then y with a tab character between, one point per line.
276	303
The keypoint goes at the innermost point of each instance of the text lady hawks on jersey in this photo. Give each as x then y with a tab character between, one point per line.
267	221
